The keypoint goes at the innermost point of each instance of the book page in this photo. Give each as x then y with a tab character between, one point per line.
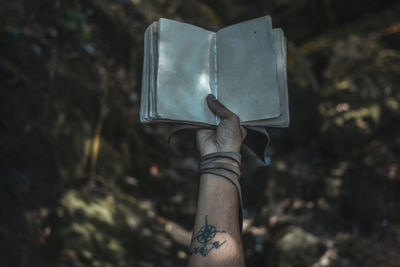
247	76
183	76
280	57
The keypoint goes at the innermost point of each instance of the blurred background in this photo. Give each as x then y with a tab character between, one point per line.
83	183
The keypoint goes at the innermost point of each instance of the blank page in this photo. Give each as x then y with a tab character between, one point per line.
183	80
280	58
247	77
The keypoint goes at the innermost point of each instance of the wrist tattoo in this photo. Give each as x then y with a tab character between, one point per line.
204	238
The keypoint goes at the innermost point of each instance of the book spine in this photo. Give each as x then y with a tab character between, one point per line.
216	73
215	67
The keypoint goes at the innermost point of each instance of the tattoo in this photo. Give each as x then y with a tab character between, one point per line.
205	237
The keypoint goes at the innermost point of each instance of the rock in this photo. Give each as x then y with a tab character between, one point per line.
293	246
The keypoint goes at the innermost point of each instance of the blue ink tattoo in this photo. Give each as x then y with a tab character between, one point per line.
204	237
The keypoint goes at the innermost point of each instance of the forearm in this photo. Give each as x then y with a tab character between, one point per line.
216	237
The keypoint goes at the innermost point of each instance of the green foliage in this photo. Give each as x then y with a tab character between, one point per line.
76	20
73	19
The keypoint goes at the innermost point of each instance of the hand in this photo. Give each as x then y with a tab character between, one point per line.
228	136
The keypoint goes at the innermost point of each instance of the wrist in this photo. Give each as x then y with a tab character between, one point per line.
225	164
206	150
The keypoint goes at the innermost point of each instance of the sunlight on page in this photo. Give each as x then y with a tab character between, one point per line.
183	76
204	82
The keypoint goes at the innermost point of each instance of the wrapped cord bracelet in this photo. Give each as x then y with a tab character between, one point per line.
226	170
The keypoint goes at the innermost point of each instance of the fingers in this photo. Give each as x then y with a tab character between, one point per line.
217	108
243	132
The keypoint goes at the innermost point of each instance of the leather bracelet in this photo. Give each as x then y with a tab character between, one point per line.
226	170
218	155
220	165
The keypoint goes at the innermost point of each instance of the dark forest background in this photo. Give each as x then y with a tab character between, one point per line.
83	183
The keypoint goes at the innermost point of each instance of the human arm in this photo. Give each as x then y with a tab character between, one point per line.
216	239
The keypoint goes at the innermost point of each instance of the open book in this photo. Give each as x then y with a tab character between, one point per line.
243	65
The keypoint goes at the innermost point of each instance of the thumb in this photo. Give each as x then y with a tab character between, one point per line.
217	108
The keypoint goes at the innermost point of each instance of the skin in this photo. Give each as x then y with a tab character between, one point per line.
217	206
229	135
